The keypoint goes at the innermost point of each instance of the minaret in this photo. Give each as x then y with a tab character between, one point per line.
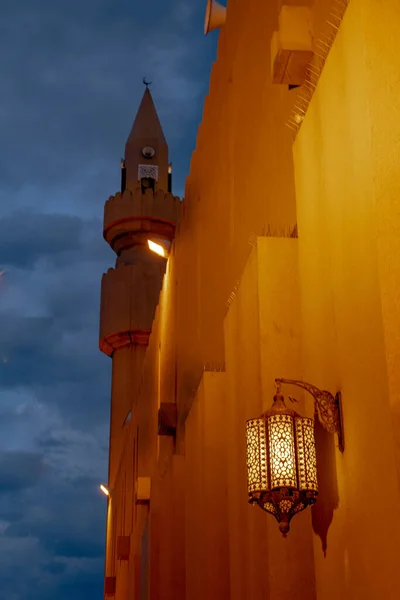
143	210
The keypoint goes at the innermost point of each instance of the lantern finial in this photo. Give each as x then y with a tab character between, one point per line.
284	528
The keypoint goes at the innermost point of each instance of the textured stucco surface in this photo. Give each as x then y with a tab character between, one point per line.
346	190
233	315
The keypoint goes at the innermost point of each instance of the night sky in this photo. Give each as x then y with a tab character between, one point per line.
71	81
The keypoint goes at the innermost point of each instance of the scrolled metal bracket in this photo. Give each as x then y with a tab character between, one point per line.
328	407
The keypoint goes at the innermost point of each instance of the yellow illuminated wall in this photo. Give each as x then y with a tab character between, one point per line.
347	190
245	300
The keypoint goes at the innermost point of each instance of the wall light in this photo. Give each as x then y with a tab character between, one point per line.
281	457
158	249
105	490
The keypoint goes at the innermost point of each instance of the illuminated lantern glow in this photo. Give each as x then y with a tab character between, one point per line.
281	462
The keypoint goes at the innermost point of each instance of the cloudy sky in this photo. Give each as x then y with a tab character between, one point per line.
70	77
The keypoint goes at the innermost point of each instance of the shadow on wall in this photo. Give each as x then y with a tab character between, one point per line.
328	497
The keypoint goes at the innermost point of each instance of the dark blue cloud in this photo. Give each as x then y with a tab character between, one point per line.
81	588
27	236
20	470
54	568
71	83
37	235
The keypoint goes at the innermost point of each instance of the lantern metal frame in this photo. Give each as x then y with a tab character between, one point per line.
281	462
281	453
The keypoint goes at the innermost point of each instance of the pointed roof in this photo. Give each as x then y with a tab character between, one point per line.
147	124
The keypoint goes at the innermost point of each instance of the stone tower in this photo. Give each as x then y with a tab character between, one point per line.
144	209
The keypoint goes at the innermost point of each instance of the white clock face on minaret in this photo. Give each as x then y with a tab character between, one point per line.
148	152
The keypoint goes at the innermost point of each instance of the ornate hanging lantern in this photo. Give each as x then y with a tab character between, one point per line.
281	457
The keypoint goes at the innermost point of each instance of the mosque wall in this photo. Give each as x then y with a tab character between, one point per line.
346	188
245	300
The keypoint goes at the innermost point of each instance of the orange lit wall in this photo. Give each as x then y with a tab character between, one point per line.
244	301
347	189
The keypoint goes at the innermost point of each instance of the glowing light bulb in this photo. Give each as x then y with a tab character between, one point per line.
156	248
105	490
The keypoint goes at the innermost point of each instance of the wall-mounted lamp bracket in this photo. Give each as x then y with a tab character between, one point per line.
328	407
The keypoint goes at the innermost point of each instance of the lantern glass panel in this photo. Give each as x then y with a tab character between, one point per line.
281	451
257	473
306	456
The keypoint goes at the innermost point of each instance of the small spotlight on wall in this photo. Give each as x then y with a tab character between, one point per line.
105	490
157	249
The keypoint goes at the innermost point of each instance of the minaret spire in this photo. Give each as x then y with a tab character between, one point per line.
146	150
